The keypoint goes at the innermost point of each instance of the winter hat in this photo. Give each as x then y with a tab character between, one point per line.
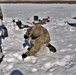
16	72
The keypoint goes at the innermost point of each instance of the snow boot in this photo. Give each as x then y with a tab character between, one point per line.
24	56
51	48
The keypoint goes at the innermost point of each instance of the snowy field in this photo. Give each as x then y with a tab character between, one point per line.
63	37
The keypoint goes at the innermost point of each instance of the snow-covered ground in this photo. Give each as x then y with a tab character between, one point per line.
63	37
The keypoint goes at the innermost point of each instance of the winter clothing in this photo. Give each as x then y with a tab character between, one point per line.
39	36
0	48
24	56
1	17
1	27
27	43
3	33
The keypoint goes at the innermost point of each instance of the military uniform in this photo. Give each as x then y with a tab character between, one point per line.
39	36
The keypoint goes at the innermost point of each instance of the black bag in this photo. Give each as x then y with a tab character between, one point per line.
19	23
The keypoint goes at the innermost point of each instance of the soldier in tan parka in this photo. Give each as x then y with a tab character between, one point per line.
39	36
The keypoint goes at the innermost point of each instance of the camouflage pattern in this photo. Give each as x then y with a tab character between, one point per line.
42	35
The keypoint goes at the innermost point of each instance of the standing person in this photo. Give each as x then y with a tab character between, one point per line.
3	35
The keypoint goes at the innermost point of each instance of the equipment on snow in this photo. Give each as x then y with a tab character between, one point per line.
46	19
20	25
36	20
43	21
74	17
71	24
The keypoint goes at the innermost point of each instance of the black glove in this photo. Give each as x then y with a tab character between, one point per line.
24	56
2	36
26	36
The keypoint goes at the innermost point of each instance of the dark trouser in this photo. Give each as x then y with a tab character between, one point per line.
0	48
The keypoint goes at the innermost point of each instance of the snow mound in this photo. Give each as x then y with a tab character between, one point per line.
31	59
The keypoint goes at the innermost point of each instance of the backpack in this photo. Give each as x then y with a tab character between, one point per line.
4	32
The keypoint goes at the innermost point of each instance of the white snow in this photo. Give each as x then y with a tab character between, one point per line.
63	37
47	65
34	69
